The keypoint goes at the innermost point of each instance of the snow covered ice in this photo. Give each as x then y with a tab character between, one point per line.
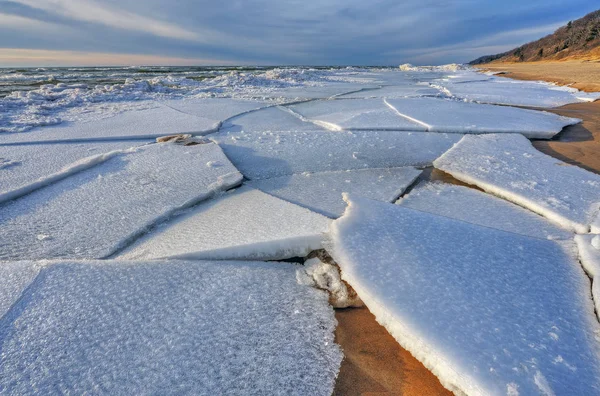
444	115
25	168
355	114
472	206
243	224
269	119
15	277
510	167
261	155
589	255
169	327
322	191
95	212
487	311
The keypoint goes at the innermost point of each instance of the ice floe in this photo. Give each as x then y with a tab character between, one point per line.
244	224
142	124
25	168
500	90
322	191
510	167
203	328
355	114
95	212
488	311
218	109
268	119
261	155
443	115
589	255
472	206
408	89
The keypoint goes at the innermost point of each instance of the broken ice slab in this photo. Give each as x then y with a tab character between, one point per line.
245	224
589	255
15	277
95	212
447	115
489	312
510	167
138	124
25	168
269	119
355	114
395	91
261	155
476	207
504	91
322	191
203	328
218	109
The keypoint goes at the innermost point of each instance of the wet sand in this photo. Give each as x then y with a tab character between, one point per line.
374	363
581	74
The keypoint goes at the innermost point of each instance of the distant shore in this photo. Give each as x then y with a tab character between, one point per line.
583	74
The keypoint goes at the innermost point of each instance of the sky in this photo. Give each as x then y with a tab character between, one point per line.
272	32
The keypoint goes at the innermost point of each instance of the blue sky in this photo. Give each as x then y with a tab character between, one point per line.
273	32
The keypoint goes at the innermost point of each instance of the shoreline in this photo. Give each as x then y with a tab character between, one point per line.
373	361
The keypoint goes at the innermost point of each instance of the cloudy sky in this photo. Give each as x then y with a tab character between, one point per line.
273	32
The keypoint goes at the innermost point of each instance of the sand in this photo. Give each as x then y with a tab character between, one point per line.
374	363
581	74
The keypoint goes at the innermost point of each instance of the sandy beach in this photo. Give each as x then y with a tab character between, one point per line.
374	363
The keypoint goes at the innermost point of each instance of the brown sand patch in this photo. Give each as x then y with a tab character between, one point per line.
581	74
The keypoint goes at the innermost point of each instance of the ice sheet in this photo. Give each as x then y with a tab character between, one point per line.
475	207
245	224
322	191
202	328
95	212
489	312
269	119
219	109
510	167
260	155
25	168
520	93
15	277
355	114
446	115
410	89
142	124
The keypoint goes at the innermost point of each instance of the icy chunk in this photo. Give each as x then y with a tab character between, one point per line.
15	277
244	224
260	155
500	90
444	115
25	168
96	212
203	328
472	206
485	310
325	276
322	191
509	167
355	114
142	124
269	119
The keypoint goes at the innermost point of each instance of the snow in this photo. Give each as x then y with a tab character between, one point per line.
260	155
142	124
322	191
475	207
485	310
355	114
444	115
25	168
269	119
510	167
504	91
324	276
95	212
589	256
245	224
169	327
15	277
